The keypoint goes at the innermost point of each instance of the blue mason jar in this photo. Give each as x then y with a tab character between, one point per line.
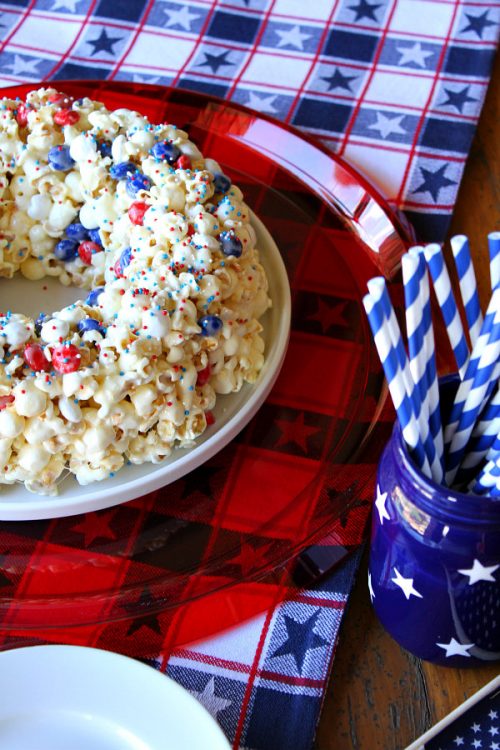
434	570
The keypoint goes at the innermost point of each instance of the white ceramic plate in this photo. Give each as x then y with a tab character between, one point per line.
232	412
75	698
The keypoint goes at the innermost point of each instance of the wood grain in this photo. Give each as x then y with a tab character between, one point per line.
380	697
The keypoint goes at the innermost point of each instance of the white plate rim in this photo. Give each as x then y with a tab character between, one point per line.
112	492
73	668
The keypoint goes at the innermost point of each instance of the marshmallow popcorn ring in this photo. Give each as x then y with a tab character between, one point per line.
160	237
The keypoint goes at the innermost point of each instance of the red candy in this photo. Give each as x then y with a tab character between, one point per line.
66	117
87	249
22	116
6	401
209	416
136	212
35	358
61	100
190	230
66	358
183	162
204	375
118	270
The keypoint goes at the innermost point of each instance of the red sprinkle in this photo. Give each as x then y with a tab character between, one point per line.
204	375
136	212
35	358
66	117
183	162
87	249
66	358
6	401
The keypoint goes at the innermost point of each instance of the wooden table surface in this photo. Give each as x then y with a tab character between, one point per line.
380	697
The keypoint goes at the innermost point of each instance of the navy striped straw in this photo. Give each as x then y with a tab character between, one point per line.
468	285
448	305
393	374
430	354
475	398
470	373
494	249
488	480
484	436
411	266
378	290
414	270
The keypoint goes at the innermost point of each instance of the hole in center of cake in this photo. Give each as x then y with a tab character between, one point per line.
20	295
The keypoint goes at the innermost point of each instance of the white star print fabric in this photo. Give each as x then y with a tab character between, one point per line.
395	87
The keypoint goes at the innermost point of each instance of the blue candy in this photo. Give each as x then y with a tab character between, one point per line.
210	325
60	159
94	296
136	182
121	170
39	323
104	148
89	324
230	244
165	151
76	231
124	260
95	236
66	249
221	182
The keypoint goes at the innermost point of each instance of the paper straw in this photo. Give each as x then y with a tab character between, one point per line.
480	445
488	480
378	290
494	248
430	354
449	309
394	376
471	370
468	285
412	276
474	400
484	434
494	451
414	269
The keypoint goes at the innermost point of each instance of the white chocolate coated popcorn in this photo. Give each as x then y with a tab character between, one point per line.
133	212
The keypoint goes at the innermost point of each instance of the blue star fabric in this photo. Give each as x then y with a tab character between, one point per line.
393	92
364	76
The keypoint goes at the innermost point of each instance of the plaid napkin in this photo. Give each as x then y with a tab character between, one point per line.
393	86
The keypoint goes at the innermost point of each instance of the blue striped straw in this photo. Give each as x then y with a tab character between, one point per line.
432	385
482	446
494	248
474	401
484	432
412	276
470	373
394	376
468	285
488	480
378	290
442	287
494	451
